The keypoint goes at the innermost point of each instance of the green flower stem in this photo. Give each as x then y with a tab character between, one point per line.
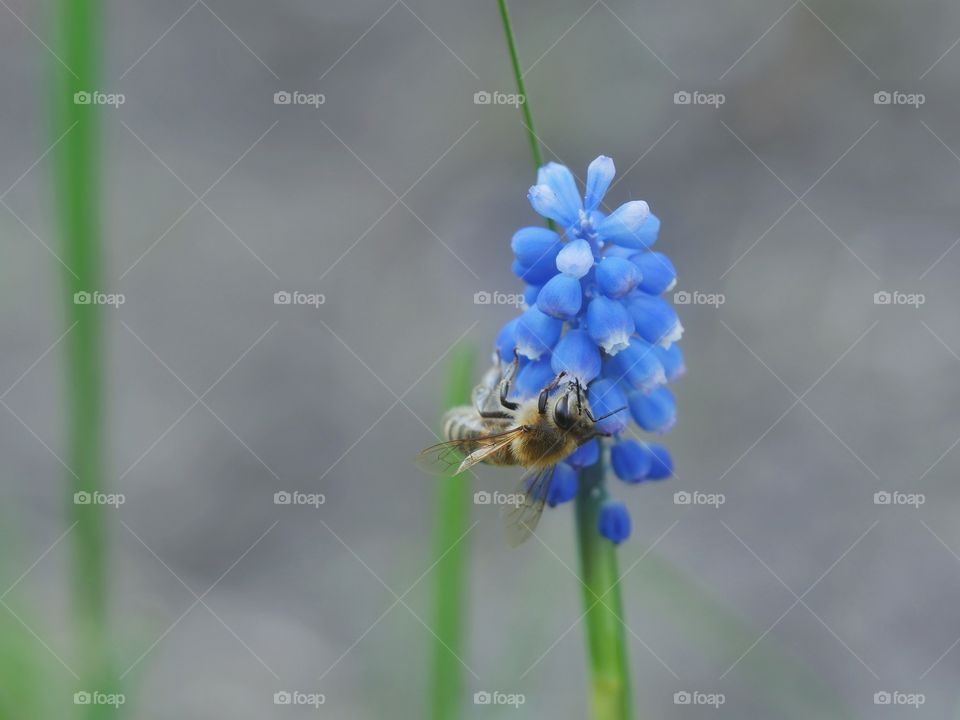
609	666
521	88
609	671
77	186
451	523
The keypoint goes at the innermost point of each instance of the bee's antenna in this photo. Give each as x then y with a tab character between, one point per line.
604	417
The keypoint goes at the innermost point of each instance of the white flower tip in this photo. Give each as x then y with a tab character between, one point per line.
615	343
668	427
671	337
658	379
575	259
636	211
529	351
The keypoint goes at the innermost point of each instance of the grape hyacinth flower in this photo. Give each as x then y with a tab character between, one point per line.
596	312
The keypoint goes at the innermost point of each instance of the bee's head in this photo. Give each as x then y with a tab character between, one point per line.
570	412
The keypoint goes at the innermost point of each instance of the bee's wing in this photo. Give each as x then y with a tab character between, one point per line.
454	456
521	520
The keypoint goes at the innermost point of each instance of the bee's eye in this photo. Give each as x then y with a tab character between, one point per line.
561	414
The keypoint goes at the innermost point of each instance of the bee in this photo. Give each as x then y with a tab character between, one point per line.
535	434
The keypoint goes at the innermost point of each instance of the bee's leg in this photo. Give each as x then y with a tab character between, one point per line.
485	394
504	391
513	367
508	376
495	415
545	393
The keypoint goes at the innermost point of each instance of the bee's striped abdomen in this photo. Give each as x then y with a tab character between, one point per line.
465	424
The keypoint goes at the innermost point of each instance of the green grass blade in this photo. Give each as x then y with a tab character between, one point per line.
451	522
78	201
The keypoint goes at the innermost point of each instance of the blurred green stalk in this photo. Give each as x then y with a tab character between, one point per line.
606	645
451	522
77	194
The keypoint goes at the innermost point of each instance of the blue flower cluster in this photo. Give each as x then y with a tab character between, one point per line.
595	311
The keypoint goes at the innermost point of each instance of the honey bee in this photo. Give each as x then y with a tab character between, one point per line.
535	434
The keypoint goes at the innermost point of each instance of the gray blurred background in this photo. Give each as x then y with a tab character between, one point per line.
797	199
